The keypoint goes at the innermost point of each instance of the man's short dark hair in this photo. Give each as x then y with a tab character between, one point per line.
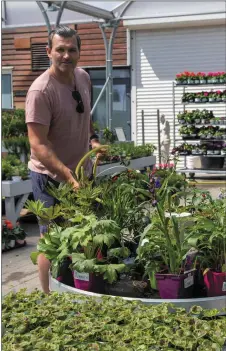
65	32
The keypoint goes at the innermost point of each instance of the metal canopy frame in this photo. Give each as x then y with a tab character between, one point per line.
105	19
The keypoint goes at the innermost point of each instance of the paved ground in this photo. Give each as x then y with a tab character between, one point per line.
17	269
19	272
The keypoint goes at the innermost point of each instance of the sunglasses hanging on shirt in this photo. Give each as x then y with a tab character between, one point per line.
77	97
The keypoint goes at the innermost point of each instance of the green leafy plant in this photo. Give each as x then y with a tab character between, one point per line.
14	132
37	322
163	238
208	234
108	135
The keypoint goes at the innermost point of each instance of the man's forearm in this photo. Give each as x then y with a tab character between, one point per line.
49	159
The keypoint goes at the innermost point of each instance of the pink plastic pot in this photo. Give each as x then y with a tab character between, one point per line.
215	283
89	282
173	286
82	281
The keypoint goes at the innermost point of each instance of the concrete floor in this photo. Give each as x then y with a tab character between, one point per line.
17	269
19	272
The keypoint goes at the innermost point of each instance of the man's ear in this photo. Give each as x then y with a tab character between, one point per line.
48	51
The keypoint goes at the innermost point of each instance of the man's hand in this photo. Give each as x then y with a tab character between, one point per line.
71	180
101	152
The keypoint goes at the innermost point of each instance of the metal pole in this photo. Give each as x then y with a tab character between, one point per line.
110	86
142	123
159	140
107	75
60	12
46	18
99	97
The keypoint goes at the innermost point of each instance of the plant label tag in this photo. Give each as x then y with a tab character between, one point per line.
224	286
81	276
189	281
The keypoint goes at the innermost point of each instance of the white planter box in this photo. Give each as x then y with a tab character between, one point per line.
138	163
10	188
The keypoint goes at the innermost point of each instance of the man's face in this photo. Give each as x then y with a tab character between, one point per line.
64	53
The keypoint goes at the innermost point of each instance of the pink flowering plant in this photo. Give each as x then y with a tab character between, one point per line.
211	77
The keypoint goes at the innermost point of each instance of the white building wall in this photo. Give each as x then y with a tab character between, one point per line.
157	56
151	9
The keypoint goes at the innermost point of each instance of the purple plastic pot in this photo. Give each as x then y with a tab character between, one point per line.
215	283
82	281
173	286
89	282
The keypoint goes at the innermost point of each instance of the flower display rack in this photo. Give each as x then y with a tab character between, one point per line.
201	131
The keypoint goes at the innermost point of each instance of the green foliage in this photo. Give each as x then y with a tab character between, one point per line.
123	152
68	322
13	123
208	234
162	243
108	135
12	166
14	132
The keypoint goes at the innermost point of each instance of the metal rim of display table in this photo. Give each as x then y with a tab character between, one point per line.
218	302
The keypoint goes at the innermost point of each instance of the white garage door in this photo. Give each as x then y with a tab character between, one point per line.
157	56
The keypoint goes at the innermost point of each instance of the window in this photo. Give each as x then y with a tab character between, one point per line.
40	60
121	117
7	93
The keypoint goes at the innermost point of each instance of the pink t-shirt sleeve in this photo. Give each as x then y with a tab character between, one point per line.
38	109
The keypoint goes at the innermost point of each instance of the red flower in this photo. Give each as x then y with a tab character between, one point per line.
204	195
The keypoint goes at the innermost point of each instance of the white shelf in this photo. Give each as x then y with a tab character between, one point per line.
206	171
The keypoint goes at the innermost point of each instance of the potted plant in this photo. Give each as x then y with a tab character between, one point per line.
208	235
210	132
197	150
8	237
190	118
218	96
204	96
167	247
222	77
184	131
181	78
188	97
192	78
202	77
202	133
212	78
206	116
213	121
181	118
108	135
223	95
223	150
196	116
217	149
218	135
198	97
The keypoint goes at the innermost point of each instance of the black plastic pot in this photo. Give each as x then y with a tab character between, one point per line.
212	162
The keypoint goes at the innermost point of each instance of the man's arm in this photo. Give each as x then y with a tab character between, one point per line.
41	148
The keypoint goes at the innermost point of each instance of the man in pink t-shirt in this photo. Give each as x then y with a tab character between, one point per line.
58	120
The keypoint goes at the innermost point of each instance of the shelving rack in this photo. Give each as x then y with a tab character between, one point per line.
195	105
